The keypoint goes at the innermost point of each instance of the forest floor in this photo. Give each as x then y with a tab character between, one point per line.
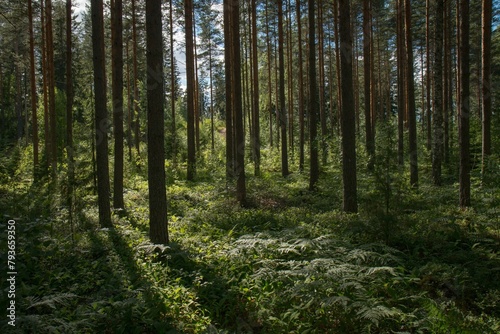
290	262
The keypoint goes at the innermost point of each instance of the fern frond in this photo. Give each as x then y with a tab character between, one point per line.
51	300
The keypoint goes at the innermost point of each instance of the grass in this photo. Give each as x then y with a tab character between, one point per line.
291	262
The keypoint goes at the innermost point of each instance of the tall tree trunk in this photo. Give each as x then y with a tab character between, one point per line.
367	45
348	122
137	123
282	107
69	111
336	20
117	87
190	76
197	104
269	84
321	67
45	84
290	78
239	168
172	84
256	93
18	102
51	90
158	231
313	101
486	82
34	118
129	106
229	97
401	82
437	147
210	75
101	113
410	95
69	81
465	112
447	83
428	111
301	89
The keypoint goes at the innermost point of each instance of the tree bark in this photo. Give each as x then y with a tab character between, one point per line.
51	90
465	112
313	101
256	93
282	107
137	123
190	79
301	89
486	83
228	61
410	96
45	84
34	118
367	45
117	87
172	84
437	147
101	113
158	231
348	122
401	83
233	11
321	68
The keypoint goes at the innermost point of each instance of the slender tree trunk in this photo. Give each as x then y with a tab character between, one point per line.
69	81
321	61
367	45
290	78
313	100
465	112
401	83
229	97
101	113
210	75
486	83
158	230
237	101
283	114
137	123
45	84
69	111
301	89
191	112
348	123
117	87
197	104
34	118
18	102
337	62
410	95
51	90
129	106
269	84
256	92
428	85
446	80
173	96
437	147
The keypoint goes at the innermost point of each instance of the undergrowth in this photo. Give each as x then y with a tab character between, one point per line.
409	262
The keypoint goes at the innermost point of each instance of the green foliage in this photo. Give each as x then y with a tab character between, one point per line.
290	263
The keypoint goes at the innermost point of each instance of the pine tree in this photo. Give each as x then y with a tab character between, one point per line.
158	231
348	120
101	113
